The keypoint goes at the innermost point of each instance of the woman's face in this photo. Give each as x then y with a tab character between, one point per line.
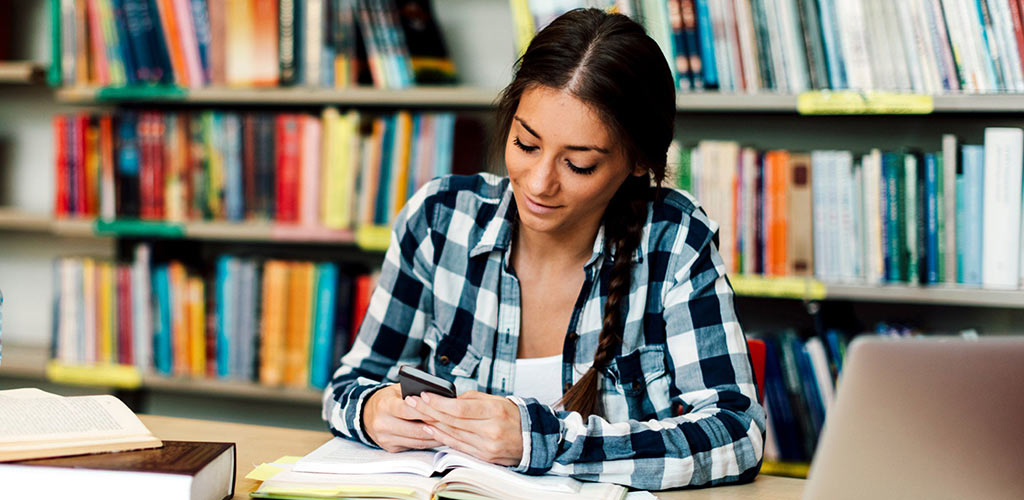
563	162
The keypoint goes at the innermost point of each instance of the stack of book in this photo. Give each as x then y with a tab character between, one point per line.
281	323
790	46
335	170
952	216
248	43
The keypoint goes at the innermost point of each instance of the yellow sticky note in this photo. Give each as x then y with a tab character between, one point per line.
121	376
287	459
263	472
854	103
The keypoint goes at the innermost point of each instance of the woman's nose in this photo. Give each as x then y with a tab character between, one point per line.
543	178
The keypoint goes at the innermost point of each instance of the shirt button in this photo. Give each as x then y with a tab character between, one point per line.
444	360
573	336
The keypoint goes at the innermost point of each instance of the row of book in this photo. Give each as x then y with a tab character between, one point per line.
336	170
278	322
790	46
953	216
245	43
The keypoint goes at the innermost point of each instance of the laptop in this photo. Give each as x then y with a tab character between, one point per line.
929	418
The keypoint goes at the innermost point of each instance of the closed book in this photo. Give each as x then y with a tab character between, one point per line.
1004	155
185	470
931	217
321	348
298	325
799	256
272	326
265	66
969	218
950	165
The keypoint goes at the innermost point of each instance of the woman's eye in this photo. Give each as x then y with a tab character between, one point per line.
524	147
580	170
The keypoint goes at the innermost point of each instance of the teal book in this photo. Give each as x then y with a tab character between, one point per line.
225	294
969	210
908	220
162	352
891	167
940	218
931	217
382	200
323	324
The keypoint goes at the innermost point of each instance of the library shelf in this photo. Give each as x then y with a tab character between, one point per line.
446	97
809	289
465	97
30	362
88	227
21	72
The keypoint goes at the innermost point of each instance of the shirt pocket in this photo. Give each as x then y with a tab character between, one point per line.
452	358
639	385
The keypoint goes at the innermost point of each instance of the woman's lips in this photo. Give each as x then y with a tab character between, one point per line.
538	208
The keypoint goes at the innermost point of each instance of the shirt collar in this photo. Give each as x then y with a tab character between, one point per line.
498	233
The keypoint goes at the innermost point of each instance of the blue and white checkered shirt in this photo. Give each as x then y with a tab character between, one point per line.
678	404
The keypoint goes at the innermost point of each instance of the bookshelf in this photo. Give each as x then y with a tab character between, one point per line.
29	363
21	72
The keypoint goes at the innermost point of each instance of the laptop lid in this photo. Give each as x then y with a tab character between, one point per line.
925	418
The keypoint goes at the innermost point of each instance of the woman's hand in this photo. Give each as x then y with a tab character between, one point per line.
482	425
394	425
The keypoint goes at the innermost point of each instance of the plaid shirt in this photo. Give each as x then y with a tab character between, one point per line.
678	404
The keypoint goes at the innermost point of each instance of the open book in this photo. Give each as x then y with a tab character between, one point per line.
343	469
37	424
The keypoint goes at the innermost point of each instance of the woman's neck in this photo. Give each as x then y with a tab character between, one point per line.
554	250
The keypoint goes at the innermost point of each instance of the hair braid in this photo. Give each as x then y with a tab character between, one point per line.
624	225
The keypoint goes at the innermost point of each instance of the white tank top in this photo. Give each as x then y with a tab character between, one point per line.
539	378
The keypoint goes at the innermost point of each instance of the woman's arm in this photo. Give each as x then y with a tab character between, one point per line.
720	435
392	331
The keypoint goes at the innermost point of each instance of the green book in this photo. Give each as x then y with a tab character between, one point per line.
683	176
53	76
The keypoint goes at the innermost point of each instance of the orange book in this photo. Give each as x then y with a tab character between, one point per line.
197	325
298	331
108	186
776	164
179	319
98	54
172	38
265	66
799	217
83	76
400	168
272	329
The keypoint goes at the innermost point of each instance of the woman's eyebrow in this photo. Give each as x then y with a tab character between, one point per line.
571	148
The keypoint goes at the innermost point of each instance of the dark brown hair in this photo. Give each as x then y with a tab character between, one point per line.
608	62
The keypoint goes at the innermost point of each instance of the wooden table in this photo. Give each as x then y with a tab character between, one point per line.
257	444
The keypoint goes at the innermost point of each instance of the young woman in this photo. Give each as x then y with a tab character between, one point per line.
582	313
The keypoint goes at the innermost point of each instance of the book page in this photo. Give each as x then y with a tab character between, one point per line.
26	393
485	472
342	456
42	419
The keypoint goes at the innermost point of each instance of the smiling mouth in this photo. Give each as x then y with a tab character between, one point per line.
541	205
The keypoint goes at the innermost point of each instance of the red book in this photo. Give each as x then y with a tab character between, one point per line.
60	133
249	164
289	140
124	315
146	178
360	303
1016	10
160	167
81	152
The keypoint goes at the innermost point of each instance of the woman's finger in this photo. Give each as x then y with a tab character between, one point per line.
472	409
470	444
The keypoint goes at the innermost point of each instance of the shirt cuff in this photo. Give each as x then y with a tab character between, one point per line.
361	394
542	434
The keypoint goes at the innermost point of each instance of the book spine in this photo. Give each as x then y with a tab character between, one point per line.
932	217
709	64
1004	156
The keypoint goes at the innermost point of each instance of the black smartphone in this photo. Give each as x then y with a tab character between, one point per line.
415	381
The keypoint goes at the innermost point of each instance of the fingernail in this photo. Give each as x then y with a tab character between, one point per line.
410	401
425	396
429	430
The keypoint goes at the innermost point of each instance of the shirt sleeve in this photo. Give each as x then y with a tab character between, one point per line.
392	331
719	435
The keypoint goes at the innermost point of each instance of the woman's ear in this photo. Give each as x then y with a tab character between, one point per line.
639	170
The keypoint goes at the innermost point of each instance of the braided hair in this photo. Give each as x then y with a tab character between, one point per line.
608	62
